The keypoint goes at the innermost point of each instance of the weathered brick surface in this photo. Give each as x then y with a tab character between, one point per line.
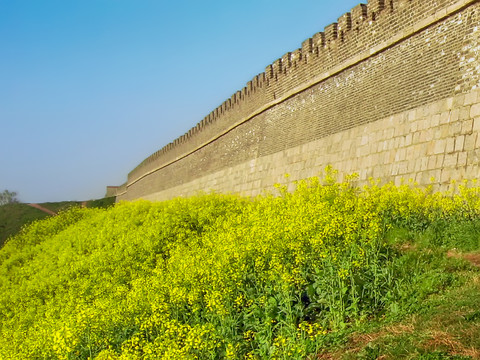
390	92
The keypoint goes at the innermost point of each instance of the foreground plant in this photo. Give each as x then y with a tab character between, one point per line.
216	276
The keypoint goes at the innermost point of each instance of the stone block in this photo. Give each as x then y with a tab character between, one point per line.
435	121
424	161
449	103
450	160
454	115
414	126
446	176
459	100
412	115
439	161
476	124
462	159
450	147
402	169
468	112
418	165
471	98
427	135
411	166
416	137
459	142
445	117
470	142
408	139
467	126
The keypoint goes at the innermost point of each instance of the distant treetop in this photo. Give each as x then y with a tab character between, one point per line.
7	197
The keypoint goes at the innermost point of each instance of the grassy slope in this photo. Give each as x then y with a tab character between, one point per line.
14	216
445	326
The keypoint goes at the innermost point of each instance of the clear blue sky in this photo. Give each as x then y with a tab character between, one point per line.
89	88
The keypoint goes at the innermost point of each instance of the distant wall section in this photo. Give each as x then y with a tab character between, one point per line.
385	92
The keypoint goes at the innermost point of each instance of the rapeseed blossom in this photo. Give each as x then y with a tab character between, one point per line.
212	276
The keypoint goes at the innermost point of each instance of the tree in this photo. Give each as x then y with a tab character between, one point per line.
7	197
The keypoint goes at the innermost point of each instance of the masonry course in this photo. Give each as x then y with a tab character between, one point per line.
391	91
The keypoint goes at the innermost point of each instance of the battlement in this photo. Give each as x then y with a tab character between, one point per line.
366	30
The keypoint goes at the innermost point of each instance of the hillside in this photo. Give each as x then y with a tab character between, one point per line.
330	271
15	215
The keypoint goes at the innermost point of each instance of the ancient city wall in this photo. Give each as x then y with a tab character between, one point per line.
392	90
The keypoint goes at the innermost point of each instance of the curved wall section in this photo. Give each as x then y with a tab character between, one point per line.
384	92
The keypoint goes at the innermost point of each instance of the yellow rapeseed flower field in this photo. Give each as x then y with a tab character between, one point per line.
213	276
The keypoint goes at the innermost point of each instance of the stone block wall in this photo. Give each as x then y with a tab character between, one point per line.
431	144
111	191
389	91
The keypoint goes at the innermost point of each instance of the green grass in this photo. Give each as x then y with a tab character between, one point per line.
60	206
16	215
445	324
101	203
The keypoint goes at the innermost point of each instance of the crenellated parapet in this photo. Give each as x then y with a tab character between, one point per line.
355	34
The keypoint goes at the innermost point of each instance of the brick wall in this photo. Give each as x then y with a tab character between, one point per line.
383	92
